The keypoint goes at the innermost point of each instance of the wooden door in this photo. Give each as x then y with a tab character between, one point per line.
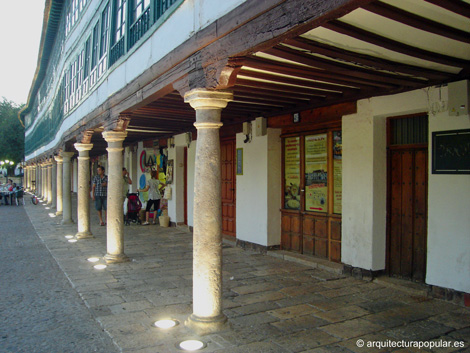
306	227
408	169
227	156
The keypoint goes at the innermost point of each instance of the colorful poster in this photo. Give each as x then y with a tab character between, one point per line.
316	173
292	173
337	172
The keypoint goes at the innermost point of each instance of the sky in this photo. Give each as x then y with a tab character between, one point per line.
20	33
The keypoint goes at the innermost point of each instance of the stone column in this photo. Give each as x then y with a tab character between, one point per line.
49	183
44	182
67	190
25	178
39	185
207	313
59	178
38	180
83	194
115	225
54	184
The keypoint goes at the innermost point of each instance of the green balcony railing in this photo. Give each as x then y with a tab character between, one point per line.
117	50
138	29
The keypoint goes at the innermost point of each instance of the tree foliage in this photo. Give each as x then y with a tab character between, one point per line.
11	132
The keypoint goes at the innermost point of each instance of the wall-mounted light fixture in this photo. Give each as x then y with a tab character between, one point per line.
189	139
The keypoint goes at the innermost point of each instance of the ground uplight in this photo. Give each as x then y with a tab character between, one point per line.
72	240
93	259
166	324
191	345
100	267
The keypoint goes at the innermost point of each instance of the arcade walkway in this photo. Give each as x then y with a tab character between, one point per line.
273	305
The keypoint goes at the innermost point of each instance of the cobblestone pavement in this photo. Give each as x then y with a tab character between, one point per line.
39	309
273	305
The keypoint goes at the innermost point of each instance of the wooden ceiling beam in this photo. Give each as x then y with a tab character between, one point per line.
387	43
364	59
310	73
354	71
264	93
413	20
259	101
457	6
284	88
266	97
295	81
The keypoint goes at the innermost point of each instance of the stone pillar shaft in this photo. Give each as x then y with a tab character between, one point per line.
44	182
49	183
54	184
66	192
59	179
207	249
83	194
40	180
115	225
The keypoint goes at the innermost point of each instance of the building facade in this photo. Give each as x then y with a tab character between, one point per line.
335	129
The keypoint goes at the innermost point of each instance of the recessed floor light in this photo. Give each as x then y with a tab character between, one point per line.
72	240
68	236
93	259
100	267
191	345
165	324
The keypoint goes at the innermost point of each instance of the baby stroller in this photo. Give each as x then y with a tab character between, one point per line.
133	207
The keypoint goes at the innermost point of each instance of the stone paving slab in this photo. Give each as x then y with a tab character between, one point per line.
273	305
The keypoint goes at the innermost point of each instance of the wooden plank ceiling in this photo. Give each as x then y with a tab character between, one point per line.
383	48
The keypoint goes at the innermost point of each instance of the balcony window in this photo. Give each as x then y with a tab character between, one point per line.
120	20
104	31
95	46
139	8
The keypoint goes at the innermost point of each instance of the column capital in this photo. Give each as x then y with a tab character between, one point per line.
58	159
201	98
81	147
67	156
114	136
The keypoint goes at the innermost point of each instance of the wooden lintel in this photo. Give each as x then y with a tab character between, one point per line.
331	113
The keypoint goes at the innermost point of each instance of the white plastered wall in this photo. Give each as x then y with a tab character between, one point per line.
448	257
365	183
259	190
176	204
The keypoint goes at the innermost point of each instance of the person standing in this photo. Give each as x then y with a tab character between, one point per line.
100	193
154	196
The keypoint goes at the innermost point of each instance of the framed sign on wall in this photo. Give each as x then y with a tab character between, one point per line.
451	152
239	161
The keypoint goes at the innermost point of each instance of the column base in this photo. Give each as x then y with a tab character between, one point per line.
206	325
58	213
114	259
84	235
67	222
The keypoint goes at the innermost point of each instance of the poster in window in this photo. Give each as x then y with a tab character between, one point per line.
337	171
292	173
316	173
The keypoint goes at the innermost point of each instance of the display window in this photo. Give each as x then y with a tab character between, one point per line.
312	195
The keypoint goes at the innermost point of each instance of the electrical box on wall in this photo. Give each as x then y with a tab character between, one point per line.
458	102
247	128
260	126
